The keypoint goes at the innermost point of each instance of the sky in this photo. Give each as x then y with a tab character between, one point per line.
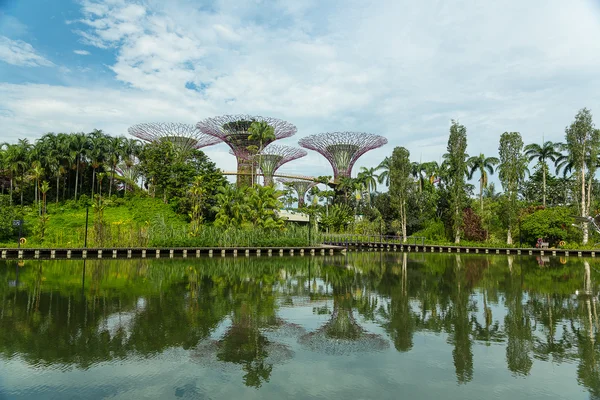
398	68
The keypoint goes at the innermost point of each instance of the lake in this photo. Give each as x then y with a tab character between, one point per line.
362	326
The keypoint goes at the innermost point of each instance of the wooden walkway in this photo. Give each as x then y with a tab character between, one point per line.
165	252
383	246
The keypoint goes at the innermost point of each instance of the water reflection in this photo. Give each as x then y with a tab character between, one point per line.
255	316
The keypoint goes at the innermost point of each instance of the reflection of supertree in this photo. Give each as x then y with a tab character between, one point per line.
342	333
183	136
300	186
272	157
342	149
234	130
245	342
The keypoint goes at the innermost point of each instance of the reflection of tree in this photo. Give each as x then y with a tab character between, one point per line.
342	333
460	335
518	327
400	321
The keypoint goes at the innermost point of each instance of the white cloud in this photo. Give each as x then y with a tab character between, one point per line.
387	67
18	52
82	52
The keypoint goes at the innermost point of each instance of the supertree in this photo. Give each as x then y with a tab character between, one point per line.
272	157
342	149
235	130
183	136
300	185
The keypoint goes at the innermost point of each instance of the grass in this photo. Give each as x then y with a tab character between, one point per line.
144	222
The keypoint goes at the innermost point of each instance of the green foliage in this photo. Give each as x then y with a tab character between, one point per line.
161	234
550	224
248	207
338	217
513	165
434	231
400	184
7	215
457	169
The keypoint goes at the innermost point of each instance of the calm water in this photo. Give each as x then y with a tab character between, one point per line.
365	326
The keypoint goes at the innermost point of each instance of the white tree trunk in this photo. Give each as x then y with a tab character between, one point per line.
509	236
583	207
403	220
457	233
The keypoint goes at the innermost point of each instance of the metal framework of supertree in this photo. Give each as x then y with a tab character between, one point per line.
272	158
233	130
183	136
342	149
300	186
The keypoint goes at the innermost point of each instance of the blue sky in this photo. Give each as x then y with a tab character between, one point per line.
392	67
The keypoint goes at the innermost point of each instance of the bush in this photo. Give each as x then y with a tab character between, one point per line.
434	231
550	224
7	215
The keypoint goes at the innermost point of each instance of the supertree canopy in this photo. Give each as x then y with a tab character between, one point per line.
274	156
235	130
183	136
342	149
300	186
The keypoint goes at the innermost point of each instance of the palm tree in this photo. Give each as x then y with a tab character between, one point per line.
77	146
97	149
21	160
547	151
384	176
115	153
484	165
262	132
416	170
368	177
432	169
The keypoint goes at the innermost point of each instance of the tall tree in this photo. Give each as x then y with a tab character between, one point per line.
98	143
400	184
457	169
547	151
583	145
77	149
513	164
484	165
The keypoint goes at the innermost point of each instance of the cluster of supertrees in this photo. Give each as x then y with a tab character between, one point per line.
251	138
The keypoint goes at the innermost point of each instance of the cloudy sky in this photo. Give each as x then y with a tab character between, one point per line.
398	68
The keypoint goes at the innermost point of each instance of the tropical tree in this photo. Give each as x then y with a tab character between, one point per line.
547	151
114	147
78	144
384	176
400	171
263	133
369	177
416	170
484	165
457	169
583	145
97	149
513	165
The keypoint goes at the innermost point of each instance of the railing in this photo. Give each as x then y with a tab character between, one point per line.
356	240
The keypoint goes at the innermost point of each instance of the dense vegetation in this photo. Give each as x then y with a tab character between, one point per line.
141	194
